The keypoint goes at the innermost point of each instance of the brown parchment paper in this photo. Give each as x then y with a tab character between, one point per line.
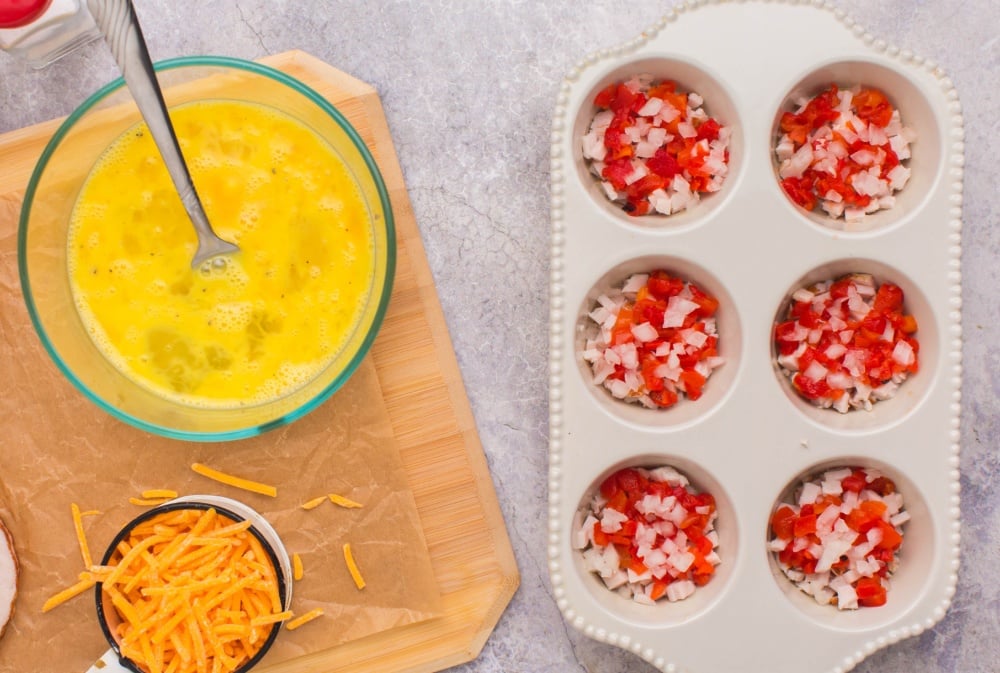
57	448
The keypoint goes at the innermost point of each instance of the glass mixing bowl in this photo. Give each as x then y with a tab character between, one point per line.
45	219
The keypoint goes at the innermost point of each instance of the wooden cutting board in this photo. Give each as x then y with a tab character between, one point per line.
422	387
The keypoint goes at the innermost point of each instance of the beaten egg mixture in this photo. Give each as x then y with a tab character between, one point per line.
276	312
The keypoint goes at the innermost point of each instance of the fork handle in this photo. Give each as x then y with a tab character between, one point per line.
118	22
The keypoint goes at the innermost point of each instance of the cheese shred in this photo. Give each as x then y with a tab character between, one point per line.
314	503
352	567
68	593
293	624
159	493
271	618
237	482
297	570
147	502
81	538
343	502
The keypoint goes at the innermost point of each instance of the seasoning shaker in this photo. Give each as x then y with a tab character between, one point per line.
65	26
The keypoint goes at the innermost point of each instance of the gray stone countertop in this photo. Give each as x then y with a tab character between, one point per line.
469	89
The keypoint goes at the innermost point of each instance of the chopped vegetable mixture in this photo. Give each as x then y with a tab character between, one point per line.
657	340
649	535
847	344
843	152
654	148
839	542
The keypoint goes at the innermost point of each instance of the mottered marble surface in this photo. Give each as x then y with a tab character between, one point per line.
469	88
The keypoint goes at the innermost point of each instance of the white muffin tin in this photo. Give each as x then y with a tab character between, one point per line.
750	439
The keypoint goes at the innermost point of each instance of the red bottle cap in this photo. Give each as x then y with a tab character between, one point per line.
17	13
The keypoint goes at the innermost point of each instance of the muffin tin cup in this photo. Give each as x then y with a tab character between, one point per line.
665	615
750	436
915	558
689	76
911	97
912	393
683	414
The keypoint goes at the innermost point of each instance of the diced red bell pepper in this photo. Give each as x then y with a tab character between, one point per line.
605	96
676	100
875	508
609	487
709	130
800	190
650	378
693	383
616	172
630	481
664	398
804	525
809	388
649	310
618	502
600	537
785	331
871	593
861	521
882	485
888	298
644	186
662	89
664	164
700	543
660	587
783	522
663	286
707	304
872	106
854	482
624	99
891	539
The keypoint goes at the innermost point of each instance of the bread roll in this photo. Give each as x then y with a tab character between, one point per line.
8	577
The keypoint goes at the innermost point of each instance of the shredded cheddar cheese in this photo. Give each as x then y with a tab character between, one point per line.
314	503
164	493
81	538
147	502
271	618
237	482
307	617
68	593
192	591
343	502
352	567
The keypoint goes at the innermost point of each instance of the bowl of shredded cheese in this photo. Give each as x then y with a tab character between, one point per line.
200	583
220	351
